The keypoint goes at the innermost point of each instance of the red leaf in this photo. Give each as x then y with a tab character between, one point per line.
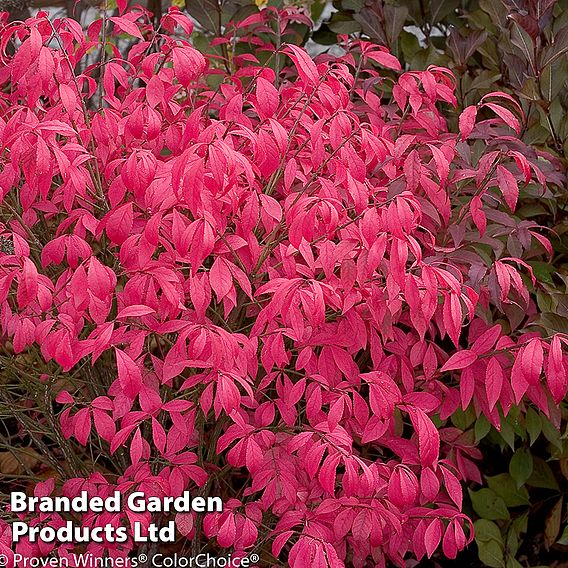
403	487
555	371
136	447
460	360
433	536
220	278
467	386
104	424
82	425
487	340
188	64
493	382
508	186
519	382
478	215
155	91
532	360
305	66
68	98
28	284
126	25
63	397
428	436
129	374
384	58
412	170
453	487
267	97
279	542
119	223
467	121
328	472
134	311
227	532
508	117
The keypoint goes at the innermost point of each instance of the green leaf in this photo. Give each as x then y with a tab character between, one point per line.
324	36
543	271
317	9
533	425
354	5
504	486
564	537
521	524
482	428
487	530
551	433
514	419
512	545
507	433
542	476
463	420
553	322
521	466
409	44
491	554
341	23
528	210
545	301
439	9
552	524
488	505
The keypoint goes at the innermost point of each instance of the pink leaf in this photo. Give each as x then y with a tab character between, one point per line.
82	425
126	25
555	371
428	436
104	425
63	397
433	536
119	223
508	117
155	91
487	340
384	58
478	215
267	97
28	284
134	311
188	64
279	542
532	360
460	360
305	66
129	374
493	382
508	186
467	121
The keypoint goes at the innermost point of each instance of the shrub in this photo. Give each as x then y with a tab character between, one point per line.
278	290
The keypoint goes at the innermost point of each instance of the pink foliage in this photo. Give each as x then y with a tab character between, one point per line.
282	276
